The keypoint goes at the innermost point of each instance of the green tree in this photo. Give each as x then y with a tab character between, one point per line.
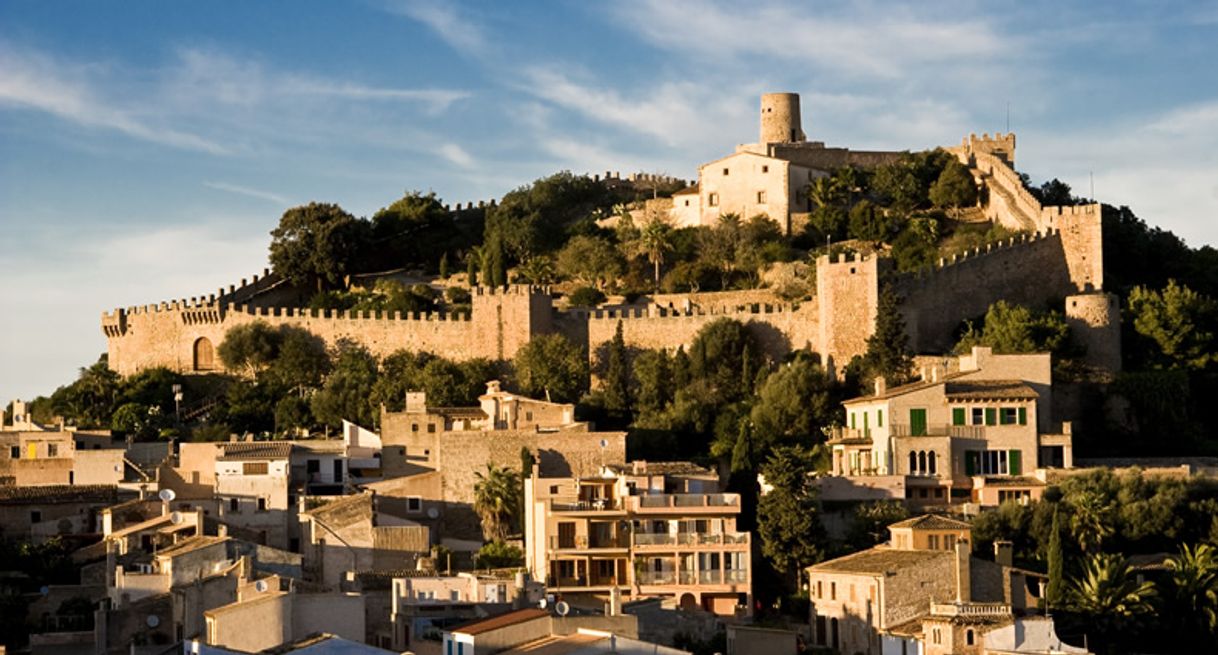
1109	596
347	391
788	521
497	501
444	266
1179	321
90	400
498	555
400	371
1194	578
955	187
538	269
794	404
717	355
454	384
135	420
655	242
1091	519
1009	329
553	367
250	348
617	375
302	361
1055	593
653	381
720	246
870	223
292	413
888	352
316	243
471	269
869	522
589	259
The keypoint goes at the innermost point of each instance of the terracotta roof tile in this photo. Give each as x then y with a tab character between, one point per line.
60	493
932	522
255	450
880	561
990	389
501	621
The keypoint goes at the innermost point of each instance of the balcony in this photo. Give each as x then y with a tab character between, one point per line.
598	505
939	430
970	609
685	503
711	577
689	539
584	542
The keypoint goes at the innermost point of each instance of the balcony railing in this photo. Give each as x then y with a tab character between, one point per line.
658	577
970	609
650	501
690	578
596	541
689	538
599	505
939	430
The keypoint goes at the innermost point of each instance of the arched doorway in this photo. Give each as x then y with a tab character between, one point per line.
204	355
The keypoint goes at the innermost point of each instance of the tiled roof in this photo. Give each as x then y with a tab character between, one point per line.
661	468
255	450
880	561
501	621
990	389
693	188
931	522
60	493
344	511
904	389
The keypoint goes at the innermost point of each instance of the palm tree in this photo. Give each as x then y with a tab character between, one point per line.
1108	594
1194	575
497	500
1091	521
825	191
538	269
654	241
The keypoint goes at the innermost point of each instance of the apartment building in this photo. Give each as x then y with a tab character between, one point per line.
642	530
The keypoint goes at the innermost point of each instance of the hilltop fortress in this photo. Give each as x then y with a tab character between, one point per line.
1058	255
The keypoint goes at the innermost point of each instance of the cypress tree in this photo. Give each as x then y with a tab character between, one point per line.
1054	594
471	270
888	352
444	266
746	371
617	375
680	368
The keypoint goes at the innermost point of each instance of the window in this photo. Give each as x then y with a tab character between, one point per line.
414	504
35	516
261	504
725	171
712	200
932	542
254	468
528	416
917	422
52	450
312	466
234	505
913	462
765	169
761	197
553	489
968	637
454	595
414	427
15	452
1007	416
949	542
820	589
431	427
686	203
930	462
978	416
832	591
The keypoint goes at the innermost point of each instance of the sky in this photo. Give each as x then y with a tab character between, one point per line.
148	148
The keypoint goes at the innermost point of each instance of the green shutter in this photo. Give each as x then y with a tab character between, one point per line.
851	420
957	416
1014	463
917	422
970	462
879	418
866	425
1023	415
991	416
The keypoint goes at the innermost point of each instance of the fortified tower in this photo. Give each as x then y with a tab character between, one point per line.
780	121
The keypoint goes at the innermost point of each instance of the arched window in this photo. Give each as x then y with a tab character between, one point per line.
204	355
922	461
968	637
930	463
913	462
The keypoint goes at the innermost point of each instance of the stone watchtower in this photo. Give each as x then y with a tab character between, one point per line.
780	121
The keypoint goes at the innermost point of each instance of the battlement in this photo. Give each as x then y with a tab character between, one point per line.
511	290
1002	145
469	206
979	253
660	312
344	314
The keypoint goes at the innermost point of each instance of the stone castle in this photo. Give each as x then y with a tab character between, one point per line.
1057	255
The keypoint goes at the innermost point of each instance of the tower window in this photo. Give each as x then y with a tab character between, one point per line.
713	200
765	169
761	197
725	171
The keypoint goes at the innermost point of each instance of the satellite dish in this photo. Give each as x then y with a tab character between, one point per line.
261	586
433	513
167	495
562	608
541	603
153	620
175	518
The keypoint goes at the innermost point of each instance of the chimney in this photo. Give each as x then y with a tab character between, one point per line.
964	581
416	402
934	374
881	385
1004	553
615	601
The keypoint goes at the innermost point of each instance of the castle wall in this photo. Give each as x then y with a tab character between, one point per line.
167	334
1095	323
1027	270
848	292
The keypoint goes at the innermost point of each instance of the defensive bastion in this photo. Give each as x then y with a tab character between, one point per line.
1059	255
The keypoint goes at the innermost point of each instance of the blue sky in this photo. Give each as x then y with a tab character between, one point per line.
147	148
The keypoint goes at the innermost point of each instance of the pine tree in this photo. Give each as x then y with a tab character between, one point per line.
1056	589
888	352
617	375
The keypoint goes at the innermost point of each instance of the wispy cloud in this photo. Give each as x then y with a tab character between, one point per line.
457	155
246	191
458	31
36	82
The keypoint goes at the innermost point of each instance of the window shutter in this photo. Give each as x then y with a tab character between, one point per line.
957	416
879	419
1023	415
970	462
991	416
1014	463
